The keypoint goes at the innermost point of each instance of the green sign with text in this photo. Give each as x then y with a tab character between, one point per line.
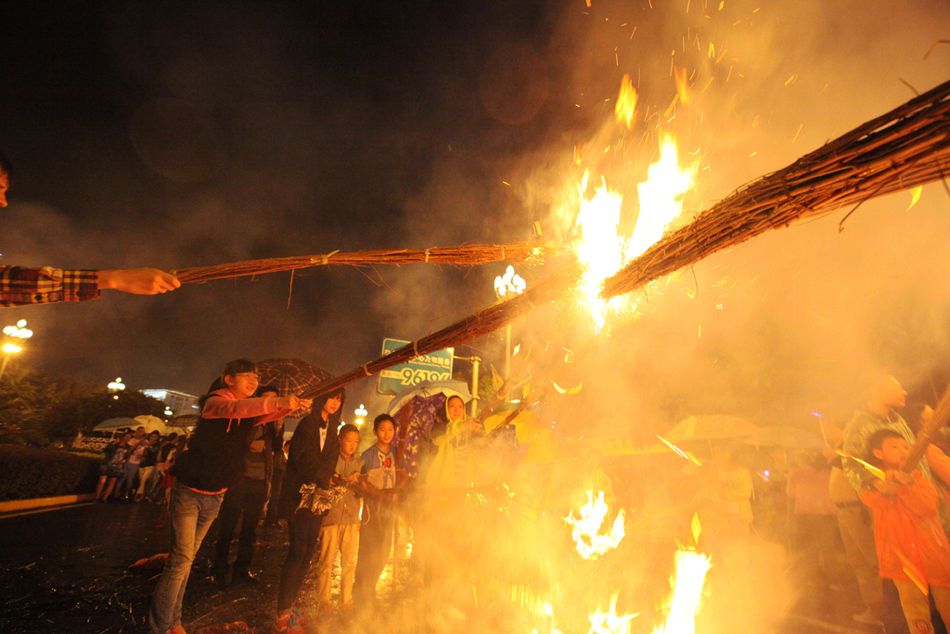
435	366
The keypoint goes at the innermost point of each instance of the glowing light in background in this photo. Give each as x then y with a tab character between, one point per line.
361	413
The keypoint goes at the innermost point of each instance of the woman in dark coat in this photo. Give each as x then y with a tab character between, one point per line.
314	450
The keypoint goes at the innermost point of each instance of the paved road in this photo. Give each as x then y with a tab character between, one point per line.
67	570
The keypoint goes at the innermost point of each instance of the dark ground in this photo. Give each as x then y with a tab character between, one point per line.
67	570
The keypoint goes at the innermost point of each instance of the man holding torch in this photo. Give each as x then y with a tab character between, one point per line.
22	286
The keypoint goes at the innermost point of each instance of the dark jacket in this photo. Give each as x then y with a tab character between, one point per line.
269	437
307	464
216	450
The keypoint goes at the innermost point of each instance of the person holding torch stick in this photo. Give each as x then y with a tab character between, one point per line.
21	286
912	547
885	395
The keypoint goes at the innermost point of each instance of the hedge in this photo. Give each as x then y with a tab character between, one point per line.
27	472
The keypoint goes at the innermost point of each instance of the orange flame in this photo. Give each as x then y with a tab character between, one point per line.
610	622
602	249
626	102
691	569
682	85
589	540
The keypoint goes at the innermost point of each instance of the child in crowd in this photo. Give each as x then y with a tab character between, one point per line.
912	548
340	529
376	534
149	460
203	474
113	467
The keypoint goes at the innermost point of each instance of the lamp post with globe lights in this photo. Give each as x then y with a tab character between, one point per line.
115	387
20	332
509	284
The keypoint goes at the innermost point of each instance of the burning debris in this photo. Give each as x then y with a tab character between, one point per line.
587	534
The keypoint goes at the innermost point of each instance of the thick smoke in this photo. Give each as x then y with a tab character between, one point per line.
795	321
208	135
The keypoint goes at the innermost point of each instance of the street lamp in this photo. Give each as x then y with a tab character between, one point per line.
117	385
19	331
361	413
509	284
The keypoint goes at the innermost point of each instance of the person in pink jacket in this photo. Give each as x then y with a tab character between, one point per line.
203	473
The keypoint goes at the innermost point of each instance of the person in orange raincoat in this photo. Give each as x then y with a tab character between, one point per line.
912	548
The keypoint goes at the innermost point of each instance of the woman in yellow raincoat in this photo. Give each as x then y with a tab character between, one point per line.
452	465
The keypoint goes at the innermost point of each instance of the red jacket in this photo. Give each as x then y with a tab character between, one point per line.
910	541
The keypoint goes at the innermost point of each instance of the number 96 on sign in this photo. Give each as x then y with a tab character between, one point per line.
413	376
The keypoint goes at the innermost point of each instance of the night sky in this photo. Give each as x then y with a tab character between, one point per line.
175	134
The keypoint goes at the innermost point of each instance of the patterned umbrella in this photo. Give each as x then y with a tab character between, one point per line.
427	389
291	376
188	420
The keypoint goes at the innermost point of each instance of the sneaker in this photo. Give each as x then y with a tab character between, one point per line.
291	623
868	618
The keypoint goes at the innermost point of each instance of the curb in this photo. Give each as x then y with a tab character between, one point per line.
12	506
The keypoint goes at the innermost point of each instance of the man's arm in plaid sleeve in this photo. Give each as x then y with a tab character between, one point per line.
20	286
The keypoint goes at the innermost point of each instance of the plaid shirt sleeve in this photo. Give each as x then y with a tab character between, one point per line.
20	286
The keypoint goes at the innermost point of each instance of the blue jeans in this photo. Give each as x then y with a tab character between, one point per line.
125	483
190	515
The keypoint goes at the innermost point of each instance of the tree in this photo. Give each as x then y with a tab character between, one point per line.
37	409
24	398
65	418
